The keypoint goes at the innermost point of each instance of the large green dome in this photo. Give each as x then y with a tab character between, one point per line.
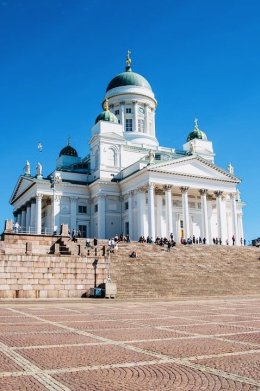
196	133
128	78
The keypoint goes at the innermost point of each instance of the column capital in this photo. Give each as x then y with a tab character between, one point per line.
218	193
203	191
39	196
141	189
101	196
130	193
167	187
151	185
74	198
184	189
57	198
232	195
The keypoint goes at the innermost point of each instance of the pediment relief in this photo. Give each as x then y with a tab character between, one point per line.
22	185
194	167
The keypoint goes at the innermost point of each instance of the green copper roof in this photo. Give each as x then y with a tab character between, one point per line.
107	116
196	133
68	150
128	78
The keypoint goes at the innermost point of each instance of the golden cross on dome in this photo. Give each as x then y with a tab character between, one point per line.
128	59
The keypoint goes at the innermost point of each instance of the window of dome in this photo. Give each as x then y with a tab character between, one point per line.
116	112
128	110
128	125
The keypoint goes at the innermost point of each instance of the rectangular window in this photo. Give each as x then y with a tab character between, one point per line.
126	205
141	125
83	230
82	209
96	208
128	125
128	110
157	156
116	112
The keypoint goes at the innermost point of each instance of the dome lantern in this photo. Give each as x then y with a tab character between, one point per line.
68	150
196	133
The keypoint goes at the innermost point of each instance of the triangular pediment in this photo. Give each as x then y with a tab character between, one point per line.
194	167
22	185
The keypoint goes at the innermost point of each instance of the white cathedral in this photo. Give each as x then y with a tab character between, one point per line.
129	183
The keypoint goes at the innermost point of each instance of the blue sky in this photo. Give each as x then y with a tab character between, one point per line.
200	56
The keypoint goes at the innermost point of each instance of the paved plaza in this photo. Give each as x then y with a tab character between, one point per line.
141	345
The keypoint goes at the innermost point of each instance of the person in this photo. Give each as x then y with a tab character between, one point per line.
200	240
214	241
241	241
95	241
193	239
16	227
233	239
171	236
88	242
204	240
169	246
244	242
133	254
79	233
227	243
74	235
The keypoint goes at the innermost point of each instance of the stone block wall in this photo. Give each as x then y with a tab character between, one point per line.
49	276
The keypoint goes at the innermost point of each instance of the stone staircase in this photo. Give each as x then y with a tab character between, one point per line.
192	270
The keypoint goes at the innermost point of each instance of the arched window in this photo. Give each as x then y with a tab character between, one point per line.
111	157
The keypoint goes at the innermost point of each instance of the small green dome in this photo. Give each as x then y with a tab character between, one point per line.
196	133
68	150
128	78
106	115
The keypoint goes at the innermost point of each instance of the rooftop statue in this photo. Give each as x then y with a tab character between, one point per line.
27	168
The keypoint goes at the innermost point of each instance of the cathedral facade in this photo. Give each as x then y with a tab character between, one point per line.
129	183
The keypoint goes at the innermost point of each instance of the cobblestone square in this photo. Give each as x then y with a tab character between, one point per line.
139	345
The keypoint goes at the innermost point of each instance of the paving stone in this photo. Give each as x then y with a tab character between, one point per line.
247	365
160	377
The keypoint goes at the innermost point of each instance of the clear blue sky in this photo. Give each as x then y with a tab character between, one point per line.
200	56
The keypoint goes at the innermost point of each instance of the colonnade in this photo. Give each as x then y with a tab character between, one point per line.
172	222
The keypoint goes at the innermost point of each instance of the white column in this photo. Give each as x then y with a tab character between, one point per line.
159	214
73	213
178	228
224	220
204	214
234	217
240	228
122	112
140	211
185	212
146	119
101	216
151	216
218	195
33	217
56	212
153	123
168	196
39	214
23	219
28	217
130	213
135	124
19	218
